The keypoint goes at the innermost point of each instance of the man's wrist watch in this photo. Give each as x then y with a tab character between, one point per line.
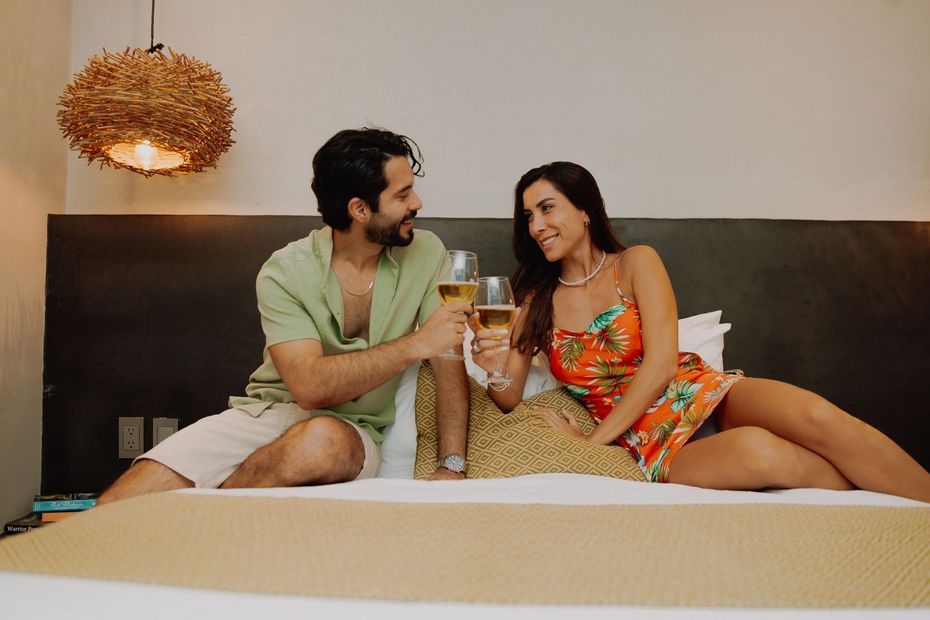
454	463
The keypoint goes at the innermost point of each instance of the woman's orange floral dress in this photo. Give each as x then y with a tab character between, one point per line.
598	364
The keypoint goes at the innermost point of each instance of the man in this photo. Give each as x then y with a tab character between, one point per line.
339	310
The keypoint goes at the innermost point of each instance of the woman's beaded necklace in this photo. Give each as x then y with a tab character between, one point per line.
589	276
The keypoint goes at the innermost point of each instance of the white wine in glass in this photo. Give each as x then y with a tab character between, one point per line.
451	292
496	310
458	282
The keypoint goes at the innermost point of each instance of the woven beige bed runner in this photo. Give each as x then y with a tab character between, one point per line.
745	555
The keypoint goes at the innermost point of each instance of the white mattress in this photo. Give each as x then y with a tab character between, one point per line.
37	596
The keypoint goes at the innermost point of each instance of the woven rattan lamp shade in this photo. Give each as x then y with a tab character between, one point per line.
148	112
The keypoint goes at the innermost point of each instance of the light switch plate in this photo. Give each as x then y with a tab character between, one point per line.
162	428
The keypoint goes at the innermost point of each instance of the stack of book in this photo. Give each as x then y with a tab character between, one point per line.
24	523
49	509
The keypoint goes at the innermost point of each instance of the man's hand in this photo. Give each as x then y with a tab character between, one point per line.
442	473
443	330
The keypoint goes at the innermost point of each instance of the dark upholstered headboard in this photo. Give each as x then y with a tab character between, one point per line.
155	316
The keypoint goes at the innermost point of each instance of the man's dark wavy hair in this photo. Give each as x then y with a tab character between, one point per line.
351	165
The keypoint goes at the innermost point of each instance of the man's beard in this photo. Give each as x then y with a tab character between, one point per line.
388	234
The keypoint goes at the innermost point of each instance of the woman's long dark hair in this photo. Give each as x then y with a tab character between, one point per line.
535	275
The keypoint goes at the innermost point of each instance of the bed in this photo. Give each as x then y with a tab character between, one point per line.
551	544
546	544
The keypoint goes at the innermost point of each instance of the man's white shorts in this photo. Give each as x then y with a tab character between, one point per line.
211	449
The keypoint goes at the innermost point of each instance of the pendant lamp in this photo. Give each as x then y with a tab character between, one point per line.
148	111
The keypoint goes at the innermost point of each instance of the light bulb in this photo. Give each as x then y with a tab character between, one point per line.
145	154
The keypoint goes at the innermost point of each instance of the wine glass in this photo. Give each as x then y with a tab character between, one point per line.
496	310
458	281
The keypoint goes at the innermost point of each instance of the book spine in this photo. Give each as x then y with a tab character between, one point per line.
13	529
62	505
54	517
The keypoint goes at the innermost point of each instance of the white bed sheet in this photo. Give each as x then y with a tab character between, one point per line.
561	489
38	596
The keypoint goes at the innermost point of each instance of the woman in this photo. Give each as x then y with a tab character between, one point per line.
606	317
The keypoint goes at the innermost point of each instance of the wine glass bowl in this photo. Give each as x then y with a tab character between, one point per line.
494	304
458	282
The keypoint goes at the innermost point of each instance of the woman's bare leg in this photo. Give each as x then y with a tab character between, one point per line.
750	458
865	456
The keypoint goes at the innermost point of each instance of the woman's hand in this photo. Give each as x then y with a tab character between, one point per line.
562	421
488	344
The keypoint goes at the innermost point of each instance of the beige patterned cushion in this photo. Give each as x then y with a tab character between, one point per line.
505	445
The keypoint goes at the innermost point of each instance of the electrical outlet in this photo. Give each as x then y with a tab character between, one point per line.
131	437
162	429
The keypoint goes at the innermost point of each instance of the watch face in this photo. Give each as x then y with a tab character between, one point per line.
454	462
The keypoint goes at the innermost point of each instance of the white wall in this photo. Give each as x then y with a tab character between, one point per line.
34	57
681	108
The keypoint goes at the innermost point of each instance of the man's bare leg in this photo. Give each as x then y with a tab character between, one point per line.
144	477
321	450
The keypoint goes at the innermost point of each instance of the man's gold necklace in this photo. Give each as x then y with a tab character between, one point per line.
343	287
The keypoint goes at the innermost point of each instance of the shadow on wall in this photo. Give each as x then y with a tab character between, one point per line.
21	385
20	342
27	201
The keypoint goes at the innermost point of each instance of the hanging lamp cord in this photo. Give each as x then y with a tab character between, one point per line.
153	48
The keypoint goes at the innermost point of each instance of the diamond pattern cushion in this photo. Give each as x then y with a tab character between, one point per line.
506	445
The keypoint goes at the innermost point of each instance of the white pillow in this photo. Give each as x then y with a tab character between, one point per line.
698	321
701	334
399	448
